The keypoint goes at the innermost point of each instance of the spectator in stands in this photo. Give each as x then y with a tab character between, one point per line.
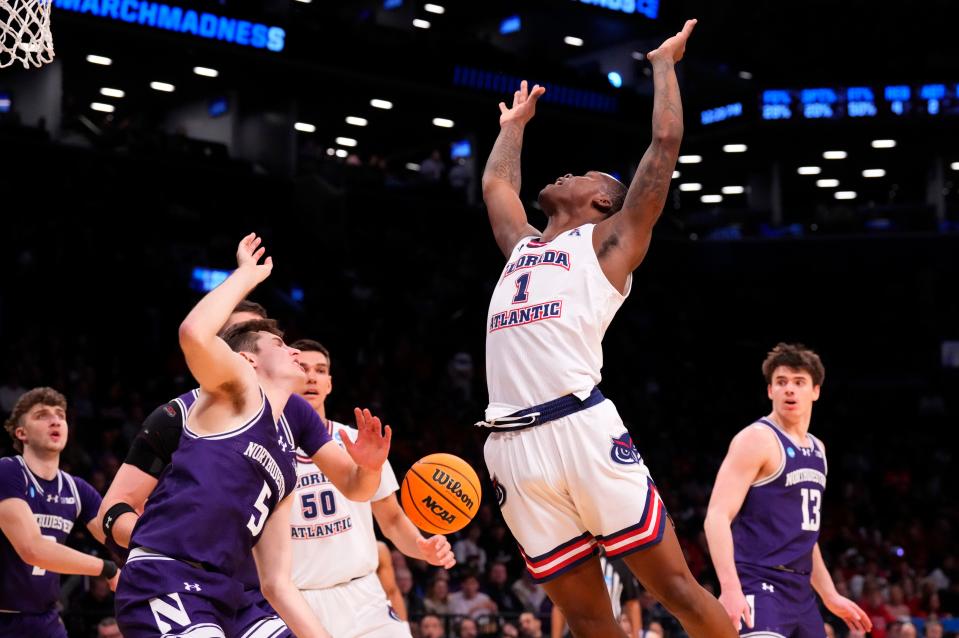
432	168
530	594
431	626
872	603
467	629
509	630
907	630
530	625
412	600
499	591
437	599
933	629
470	601
468	551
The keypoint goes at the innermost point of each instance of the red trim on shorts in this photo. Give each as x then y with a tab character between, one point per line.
560	559
648	532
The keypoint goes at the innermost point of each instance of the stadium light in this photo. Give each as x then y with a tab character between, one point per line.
442	122
99	59
573	41
434	8
304	127
346	141
690	159
356	121
845	194
102	107
112	92
690	187
874	172
386	105
734	148
206	71
163	87
884	143
827	183
676	174
809	170
711	199
834	155
421	24
733	190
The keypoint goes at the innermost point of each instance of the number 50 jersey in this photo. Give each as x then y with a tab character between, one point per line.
778	523
333	538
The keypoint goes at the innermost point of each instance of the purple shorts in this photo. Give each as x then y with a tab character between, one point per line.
783	604
47	625
159	595
258	619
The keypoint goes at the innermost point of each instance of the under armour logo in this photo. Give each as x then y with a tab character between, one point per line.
806	451
193	587
53	498
768	587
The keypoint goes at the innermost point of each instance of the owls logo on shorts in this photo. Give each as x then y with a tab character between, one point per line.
624	451
499	491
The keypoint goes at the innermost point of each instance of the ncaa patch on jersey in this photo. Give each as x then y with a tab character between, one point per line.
791	452
623	450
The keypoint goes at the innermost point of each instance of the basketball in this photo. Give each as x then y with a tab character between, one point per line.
441	493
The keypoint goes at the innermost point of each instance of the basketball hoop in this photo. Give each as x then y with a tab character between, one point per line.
25	32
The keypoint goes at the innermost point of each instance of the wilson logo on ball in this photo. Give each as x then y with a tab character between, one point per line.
440	494
453	486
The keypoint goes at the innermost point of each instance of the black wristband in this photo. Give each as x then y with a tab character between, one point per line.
110	569
114	513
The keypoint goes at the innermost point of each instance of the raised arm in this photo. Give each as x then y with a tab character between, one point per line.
501	179
621	241
752	450
215	366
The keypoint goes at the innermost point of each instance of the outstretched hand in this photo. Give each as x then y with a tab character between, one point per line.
673	48
248	255
372	444
524	104
437	551
850	612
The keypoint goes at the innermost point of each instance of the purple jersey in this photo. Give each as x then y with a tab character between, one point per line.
212	501
57	505
778	524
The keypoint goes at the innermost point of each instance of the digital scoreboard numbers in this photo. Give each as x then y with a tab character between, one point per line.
860	102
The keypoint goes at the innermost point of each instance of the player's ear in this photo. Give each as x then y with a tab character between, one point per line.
249	357
815	392
603	203
769	391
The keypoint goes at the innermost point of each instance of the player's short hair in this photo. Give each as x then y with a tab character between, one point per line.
251	306
242	337
616	191
309	345
795	356
36	396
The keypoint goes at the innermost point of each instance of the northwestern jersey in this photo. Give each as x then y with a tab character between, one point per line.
546	321
778	524
58	505
333	539
212	502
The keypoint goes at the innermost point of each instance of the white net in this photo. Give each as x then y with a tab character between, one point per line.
25	32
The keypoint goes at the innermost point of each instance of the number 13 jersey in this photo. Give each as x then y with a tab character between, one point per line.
778	523
546	322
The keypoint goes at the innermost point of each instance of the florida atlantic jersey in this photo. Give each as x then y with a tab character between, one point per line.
212	502
546	321
778	523
57	505
333	539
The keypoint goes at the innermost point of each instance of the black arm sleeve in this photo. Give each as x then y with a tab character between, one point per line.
157	440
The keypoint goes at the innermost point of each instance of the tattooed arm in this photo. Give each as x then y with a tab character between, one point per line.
501	179
621	241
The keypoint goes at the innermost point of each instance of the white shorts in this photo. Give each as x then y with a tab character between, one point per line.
356	608
572	484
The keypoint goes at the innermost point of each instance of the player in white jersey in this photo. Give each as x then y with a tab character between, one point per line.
335	556
565	470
